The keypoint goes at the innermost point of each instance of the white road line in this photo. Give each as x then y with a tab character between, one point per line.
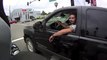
17	39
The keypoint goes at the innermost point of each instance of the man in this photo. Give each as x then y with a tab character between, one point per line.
67	29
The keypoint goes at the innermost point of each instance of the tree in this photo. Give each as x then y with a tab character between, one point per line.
43	13
49	13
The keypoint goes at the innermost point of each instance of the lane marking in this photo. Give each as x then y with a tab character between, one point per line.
15	40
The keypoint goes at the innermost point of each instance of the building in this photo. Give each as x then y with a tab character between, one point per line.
24	14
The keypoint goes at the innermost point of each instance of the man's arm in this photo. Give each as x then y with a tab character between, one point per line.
59	33
63	31
62	24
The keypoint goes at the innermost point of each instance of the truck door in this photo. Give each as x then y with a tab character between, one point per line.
95	38
52	27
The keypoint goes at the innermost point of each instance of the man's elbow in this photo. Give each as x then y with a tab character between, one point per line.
69	30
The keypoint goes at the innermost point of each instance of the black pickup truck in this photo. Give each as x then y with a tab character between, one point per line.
88	42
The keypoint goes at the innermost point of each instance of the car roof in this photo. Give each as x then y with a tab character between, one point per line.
83	7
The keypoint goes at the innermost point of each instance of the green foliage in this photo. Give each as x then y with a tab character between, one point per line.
49	13
51	0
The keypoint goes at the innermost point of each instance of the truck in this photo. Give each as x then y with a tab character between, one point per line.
88	42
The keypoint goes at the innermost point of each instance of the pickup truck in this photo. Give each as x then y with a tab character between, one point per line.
88	42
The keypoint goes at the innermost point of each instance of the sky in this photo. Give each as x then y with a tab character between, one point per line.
45	5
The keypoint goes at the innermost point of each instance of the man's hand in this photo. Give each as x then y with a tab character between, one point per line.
51	38
62	24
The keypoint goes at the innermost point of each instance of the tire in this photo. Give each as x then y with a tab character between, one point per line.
30	46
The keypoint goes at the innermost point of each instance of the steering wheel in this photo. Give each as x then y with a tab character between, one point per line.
57	24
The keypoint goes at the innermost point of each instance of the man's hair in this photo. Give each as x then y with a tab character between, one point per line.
73	14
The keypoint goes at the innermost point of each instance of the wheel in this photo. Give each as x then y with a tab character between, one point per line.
29	45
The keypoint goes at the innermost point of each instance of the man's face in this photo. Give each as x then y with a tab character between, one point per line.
72	18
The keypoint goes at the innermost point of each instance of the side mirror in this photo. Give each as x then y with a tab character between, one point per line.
38	26
14	50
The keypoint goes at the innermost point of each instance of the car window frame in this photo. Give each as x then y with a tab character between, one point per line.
78	26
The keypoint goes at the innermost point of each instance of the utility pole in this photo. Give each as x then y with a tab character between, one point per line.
28	3
10	10
72	2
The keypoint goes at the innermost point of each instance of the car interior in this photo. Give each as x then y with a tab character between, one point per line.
61	17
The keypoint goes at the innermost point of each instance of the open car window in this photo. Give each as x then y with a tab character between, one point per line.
60	17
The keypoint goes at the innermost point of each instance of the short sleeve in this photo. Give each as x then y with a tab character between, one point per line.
73	26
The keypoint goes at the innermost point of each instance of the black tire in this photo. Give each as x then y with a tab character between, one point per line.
30	46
